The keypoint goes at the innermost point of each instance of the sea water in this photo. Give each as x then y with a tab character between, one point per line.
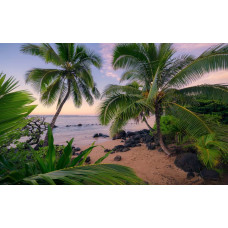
83	135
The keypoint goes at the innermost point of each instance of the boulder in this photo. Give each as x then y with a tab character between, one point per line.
117	158
87	159
130	133
150	146
190	175
96	135
207	174
125	149
118	148
120	135
148	138
188	162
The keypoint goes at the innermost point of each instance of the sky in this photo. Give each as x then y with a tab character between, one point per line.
14	63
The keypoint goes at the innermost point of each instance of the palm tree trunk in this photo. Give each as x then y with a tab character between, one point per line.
158	113
145	120
57	114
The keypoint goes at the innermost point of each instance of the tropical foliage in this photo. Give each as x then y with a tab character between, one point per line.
217	109
14	106
71	75
65	170
211	150
164	78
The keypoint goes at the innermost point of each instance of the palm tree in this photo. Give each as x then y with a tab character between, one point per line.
14	106
122	102
164	78
71	76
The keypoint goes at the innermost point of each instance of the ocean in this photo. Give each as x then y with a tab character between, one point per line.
83	135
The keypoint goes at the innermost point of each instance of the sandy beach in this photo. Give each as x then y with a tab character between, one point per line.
152	166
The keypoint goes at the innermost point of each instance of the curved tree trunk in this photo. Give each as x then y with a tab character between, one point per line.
158	113
145	120
57	114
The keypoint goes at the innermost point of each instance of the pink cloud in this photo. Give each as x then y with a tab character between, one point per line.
220	77
106	52
193	46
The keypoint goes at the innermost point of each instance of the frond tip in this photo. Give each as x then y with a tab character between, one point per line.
101	174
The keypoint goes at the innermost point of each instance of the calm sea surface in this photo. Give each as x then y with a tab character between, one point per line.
90	125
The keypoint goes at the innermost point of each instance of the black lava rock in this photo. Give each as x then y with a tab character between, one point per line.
96	135
188	162
120	135
150	146
118	148
79	125
107	150
190	175
87	159
117	158
125	149
130	133
77	149
207	174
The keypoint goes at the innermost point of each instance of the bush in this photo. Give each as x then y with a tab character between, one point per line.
171	129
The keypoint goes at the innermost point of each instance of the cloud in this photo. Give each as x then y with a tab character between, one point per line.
193	46
106	53
220	77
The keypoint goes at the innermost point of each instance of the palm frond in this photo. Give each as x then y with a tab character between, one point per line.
124	114
214	60
41	78
113	89
105	174
189	121
51	93
214	92
113	103
14	106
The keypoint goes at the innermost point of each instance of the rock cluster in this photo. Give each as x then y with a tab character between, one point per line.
100	135
190	163
77	125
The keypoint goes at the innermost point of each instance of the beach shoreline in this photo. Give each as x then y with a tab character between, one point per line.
152	166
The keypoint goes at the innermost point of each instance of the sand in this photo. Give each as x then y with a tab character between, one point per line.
152	166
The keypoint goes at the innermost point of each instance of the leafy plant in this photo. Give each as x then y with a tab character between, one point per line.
171	128
64	170
14	106
211	150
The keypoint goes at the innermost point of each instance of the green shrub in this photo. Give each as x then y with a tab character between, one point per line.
171	129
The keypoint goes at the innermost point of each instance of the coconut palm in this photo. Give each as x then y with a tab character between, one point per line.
164	77
132	100
71	75
14	106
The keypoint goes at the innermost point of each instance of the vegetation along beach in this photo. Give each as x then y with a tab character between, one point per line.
100	114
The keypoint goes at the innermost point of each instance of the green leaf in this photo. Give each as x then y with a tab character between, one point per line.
51	151
84	154
92	174
65	159
102	158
